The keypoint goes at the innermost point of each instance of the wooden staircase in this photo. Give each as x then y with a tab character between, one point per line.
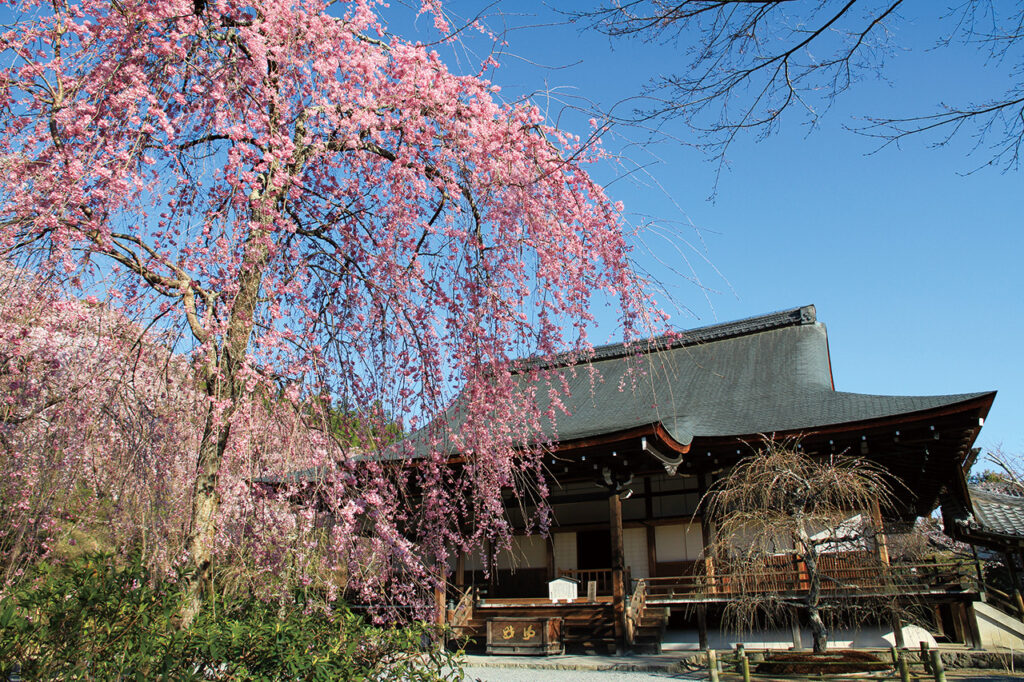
587	627
645	623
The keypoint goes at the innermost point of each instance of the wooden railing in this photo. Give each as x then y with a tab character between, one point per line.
902	578
635	610
1005	602
463	611
602	576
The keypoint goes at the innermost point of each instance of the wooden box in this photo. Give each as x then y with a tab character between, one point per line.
524	636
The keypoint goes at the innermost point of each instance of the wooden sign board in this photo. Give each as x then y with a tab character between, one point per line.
524	636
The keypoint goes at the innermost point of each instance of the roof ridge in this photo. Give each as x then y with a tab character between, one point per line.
998	495
721	331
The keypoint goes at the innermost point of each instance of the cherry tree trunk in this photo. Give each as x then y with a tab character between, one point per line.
223	391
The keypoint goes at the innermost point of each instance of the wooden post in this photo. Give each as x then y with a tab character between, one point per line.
1011	565
938	670
707	532
897	628
460	572
904	667
937	615
798	636
712	665
549	547
618	563
971	621
978	571
440	606
881	542
702	626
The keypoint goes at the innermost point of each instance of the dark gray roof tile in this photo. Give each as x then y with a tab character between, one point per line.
998	513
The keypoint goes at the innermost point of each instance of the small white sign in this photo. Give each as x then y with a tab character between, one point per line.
561	589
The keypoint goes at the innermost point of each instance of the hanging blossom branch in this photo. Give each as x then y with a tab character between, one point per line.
342	235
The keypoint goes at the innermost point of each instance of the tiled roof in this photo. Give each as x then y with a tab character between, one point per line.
997	513
766	374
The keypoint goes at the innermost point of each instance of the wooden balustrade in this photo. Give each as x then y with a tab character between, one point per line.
635	610
463	611
837	577
602	576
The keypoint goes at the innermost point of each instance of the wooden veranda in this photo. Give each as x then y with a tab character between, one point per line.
592	623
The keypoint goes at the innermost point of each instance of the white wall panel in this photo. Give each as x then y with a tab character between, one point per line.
634	546
678	542
565	551
527	551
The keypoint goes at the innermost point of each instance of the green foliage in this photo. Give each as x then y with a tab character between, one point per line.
98	619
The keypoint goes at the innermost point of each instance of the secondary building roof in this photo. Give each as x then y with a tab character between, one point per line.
994	519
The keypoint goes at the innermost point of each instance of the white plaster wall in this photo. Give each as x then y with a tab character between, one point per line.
527	551
997	629
634	547
678	542
565	551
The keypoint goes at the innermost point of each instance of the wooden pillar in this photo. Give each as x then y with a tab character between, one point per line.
1020	603
618	563
797	632
977	569
460	572
440	594
881	542
971	625
702	627
937	615
897	628
707	532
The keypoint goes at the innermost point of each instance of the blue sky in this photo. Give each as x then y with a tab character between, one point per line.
913	264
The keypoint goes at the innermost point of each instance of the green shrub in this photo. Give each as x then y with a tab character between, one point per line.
95	618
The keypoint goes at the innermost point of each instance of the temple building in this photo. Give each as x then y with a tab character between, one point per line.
637	451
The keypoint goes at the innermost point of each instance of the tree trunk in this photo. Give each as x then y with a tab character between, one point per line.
222	387
818	629
810	556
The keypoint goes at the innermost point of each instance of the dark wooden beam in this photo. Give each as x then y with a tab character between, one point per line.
618	566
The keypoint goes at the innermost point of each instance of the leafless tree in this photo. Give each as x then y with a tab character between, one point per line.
749	62
1010	472
796	533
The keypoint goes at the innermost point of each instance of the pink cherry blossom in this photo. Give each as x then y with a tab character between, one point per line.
303	231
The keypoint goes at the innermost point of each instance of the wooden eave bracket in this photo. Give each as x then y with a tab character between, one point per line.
671	464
